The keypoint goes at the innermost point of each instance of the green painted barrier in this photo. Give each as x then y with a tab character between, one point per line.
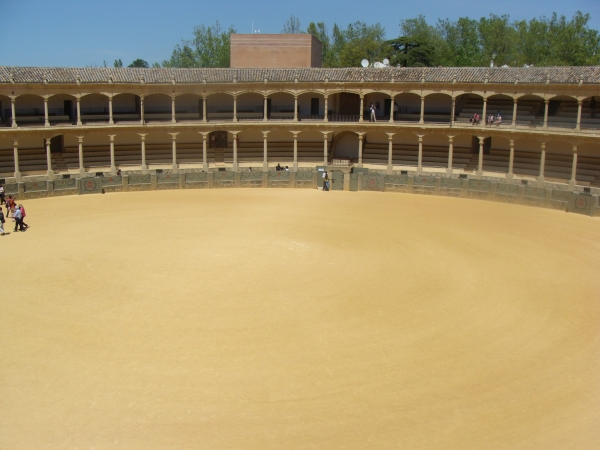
372	182
582	204
166	178
91	185
140	179
35	186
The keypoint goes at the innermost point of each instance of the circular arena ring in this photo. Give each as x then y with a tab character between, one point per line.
296	318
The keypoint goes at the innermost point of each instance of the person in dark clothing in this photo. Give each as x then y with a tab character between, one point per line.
2	195
2	233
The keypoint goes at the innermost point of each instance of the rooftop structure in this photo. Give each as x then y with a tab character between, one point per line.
275	50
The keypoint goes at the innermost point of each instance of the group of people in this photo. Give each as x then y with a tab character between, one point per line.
491	119
13	211
280	168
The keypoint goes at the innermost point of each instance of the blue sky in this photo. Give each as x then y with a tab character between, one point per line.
79	33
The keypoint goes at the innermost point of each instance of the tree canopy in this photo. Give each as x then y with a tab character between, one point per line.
465	42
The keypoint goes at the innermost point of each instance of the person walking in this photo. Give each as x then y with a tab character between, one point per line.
325	181
23	215
2	195
2	233
18	220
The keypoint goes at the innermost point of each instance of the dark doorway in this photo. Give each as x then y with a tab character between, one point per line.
138	105
350	104
201	109
68	106
217	139
57	144
387	107
314	106
268	108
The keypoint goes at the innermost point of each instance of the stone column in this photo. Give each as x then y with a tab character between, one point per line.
49	160
204	159
174	146
235	143
480	163
484	114
295	108
46	119
113	167
295	133
326	112
511	160
420	157
265	152
173	119
16	156
546	103
79	122
362	109
452	111
579	104
265	108
360	149
542	165
110	111
391	109
144	166
204	117
141	110
235	108
14	112
422	117
514	117
325	133
573	180
390	164
450	152
81	168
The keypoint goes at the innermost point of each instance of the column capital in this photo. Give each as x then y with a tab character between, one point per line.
481	139
15	142
546	101
579	102
174	135
47	141
390	135
420	136
574	149
80	139
511	142
295	133
265	133
46	97
204	133
143	135
450	138
112	137
235	133
325	133
543	146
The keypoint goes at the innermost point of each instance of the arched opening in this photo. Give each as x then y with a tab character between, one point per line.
219	107
466	106
375	147
497	159
96	152
250	106
188	108
590	113
527	157
345	107
435	151
588	163
62	110
310	147
462	156
32	155
382	103
409	107
311	106
499	110
159	150
126	108
280	147
189	149
29	110
158	108
345	146
559	161
7	161
250	148
280	106
530	111
94	108
438	108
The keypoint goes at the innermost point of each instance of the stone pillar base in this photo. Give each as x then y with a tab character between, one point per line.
50	175
479	174
18	177
390	169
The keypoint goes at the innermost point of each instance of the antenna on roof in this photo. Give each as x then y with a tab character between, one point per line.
364	63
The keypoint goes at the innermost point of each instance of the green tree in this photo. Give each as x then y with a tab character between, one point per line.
572	42
411	51
117	63
463	46
420	31
533	43
498	37
319	30
362	41
292	26
210	47
139	63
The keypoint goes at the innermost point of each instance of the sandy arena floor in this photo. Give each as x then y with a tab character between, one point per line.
298	319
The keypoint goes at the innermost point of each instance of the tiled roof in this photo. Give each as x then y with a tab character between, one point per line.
554	75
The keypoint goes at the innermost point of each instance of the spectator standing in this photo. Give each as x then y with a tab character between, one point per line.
372	110
23	215
2	233
2	195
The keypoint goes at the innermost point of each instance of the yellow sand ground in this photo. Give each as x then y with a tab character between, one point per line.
299	319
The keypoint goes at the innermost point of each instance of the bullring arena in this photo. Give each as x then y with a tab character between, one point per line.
444	294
